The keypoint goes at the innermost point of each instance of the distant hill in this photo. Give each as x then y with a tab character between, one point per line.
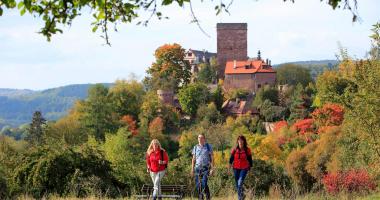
14	92
17	106
316	66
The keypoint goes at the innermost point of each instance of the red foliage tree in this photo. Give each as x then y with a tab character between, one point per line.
329	115
303	126
128	120
279	125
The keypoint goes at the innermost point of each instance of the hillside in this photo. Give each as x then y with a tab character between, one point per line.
17	106
316	67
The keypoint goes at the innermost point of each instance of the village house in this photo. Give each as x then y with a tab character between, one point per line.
196	57
249	75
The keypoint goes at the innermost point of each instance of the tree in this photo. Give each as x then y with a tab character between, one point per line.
293	74
37	128
112	12
170	71
207	74
125	97
299	106
266	93
192	96
209	113
217	97
152	108
97	112
331	86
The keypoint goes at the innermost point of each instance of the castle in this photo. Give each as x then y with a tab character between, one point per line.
235	67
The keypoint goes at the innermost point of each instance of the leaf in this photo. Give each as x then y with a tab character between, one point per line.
167	2
94	29
20	4
22	12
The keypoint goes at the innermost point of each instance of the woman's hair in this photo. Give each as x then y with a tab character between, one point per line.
150	148
244	142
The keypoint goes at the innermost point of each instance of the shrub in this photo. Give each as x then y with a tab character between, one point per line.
304	125
328	115
44	171
351	181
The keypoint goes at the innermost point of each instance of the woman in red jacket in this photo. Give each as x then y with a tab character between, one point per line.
156	162
241	162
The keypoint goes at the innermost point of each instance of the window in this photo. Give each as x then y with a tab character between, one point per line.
189	54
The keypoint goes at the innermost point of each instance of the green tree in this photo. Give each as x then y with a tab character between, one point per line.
192	96
209	113
300	104
293	74
266	93
207	74
218	97
170	71
97	112
37	128
125	97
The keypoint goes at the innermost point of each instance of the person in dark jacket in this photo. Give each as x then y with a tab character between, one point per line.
241	162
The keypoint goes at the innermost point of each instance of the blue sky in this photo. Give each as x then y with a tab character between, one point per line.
284	32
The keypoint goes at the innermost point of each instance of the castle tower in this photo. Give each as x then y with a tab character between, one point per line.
231	44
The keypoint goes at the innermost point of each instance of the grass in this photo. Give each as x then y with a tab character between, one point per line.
310	196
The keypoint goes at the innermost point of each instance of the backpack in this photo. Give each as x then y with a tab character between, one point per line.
249	158
162	158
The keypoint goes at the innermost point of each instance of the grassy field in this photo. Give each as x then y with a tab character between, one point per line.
317	196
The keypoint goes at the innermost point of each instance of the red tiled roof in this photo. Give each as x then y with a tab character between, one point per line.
248	67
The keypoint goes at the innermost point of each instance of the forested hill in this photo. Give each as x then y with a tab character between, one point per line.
17	106
316	67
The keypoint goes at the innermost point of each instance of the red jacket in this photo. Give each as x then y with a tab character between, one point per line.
241	159
153	158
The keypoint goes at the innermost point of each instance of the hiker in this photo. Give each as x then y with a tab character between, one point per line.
241	162
202	166
156	162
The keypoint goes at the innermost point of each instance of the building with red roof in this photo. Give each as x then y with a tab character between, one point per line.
248	74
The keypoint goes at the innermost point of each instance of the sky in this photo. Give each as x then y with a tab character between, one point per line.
282	31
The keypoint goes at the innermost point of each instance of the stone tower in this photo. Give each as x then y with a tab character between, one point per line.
231	44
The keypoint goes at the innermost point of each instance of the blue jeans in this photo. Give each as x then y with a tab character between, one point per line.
201	176
240	175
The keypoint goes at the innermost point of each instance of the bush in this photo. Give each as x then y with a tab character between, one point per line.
263	175
295	166
44	171
351	181
3	187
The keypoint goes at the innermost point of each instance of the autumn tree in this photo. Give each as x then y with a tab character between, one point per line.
68	130
170	71
152	108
